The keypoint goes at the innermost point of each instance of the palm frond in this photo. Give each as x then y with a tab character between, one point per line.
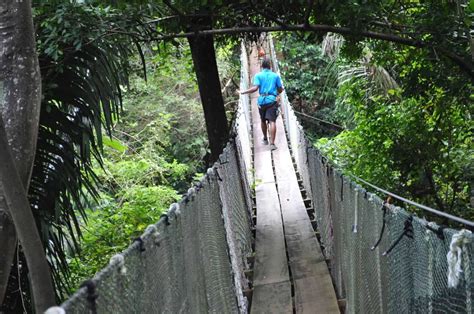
378	77
383	79
349	73
82	96
331	45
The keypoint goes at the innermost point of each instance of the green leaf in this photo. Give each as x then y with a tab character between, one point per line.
115	144
471	6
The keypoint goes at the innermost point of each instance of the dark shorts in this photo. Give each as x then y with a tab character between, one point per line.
268	112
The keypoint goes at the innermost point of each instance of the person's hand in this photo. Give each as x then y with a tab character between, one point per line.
238	92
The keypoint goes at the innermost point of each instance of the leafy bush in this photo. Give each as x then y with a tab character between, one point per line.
157	149
112	226
407	119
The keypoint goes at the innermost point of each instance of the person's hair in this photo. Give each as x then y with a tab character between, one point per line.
266	64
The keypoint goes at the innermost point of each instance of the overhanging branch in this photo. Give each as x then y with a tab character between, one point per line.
465	65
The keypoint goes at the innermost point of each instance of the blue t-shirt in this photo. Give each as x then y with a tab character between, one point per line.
268	83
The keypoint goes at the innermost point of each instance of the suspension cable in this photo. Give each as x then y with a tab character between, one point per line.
320	120
421	206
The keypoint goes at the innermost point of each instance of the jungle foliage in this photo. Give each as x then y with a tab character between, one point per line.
407	117
158	147
143	168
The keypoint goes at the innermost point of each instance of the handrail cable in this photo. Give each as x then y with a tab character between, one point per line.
320	120
426	208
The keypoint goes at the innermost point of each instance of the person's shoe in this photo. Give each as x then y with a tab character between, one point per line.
273	147
265	141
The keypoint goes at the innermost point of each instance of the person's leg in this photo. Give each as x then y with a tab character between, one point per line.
272	132
263	125
272	115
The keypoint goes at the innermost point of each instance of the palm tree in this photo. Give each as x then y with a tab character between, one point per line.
20	83
84	59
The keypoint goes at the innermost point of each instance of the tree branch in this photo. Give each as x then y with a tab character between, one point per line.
161	19
175	10
465	65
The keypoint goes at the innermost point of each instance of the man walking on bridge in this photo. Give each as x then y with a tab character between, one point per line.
269	86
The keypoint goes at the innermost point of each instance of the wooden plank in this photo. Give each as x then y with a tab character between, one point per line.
263	166
304	268
268	207
299	249
270	262
314	292
315	295
292	204
272	298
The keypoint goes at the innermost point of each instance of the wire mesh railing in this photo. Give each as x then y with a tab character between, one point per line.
382	258
191	261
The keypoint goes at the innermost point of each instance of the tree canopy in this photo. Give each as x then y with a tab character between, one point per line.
443	28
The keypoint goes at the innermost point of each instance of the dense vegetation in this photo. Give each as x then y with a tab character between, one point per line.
141	172
406	117
158	148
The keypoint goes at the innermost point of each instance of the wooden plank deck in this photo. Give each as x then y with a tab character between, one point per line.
314	291
284	236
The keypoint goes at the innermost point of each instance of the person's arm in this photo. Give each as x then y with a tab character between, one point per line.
279	85
255	87
251	90
279	90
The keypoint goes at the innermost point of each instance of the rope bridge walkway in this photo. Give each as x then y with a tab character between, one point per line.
285	240
227	249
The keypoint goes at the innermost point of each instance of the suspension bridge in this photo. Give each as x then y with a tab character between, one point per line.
283	232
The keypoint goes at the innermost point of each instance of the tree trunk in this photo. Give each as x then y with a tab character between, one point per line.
204	58
20	98
7	246
20	211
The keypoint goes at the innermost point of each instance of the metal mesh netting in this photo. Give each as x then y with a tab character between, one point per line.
182	263
412	278
236	201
